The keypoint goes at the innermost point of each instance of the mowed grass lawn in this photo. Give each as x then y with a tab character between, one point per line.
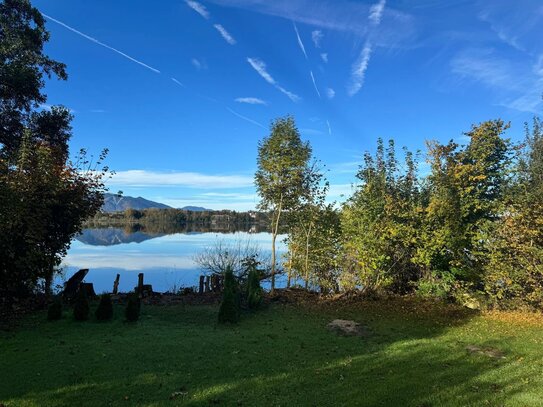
282	356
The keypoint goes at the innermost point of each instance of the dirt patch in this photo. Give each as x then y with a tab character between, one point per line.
347	328
486	351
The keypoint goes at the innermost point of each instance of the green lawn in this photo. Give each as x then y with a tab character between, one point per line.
282	356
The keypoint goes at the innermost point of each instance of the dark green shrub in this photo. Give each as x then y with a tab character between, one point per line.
254	291
54	312
133	308
229	309
104	312
81	306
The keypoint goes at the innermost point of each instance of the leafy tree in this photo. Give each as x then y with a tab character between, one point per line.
43	196
254	290
465	199
380	223
229	309
283	164
514	271
303	220
23	67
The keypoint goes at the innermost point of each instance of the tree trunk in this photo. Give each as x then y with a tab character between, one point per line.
307	258
290	267
274	237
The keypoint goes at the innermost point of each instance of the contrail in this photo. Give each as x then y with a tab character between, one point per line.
100	43
300	43
176	81
315	84
245	118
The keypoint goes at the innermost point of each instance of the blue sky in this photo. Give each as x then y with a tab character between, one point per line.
182	91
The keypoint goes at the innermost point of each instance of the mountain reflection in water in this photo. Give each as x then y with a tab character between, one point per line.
165	258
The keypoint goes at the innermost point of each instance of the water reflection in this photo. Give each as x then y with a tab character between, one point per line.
165	258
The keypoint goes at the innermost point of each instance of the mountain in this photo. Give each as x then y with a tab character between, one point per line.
195	209
116	203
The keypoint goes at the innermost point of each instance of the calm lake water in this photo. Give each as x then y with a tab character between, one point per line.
167	260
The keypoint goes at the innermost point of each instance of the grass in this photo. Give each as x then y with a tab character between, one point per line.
282	356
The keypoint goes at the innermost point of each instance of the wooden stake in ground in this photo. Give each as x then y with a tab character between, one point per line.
116	284
140	284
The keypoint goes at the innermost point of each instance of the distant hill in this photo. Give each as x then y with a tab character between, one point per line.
116	203
196	209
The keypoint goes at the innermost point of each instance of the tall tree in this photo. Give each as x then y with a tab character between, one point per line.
44	197
23	67
283	164
380	223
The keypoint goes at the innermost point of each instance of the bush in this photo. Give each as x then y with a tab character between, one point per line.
133	308
254	291
229	309
54	312
437	284
81	306
104	312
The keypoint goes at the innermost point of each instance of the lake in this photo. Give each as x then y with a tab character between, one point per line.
167	260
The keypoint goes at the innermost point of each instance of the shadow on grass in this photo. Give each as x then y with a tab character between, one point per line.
281	356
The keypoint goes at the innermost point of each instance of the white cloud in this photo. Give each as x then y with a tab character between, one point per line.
317	37
517	87
358	70
198	64
143	178
315	83
329	128
251	101
376	12
260	67
225	34
199	8
300	43
88	37
292	96
330	93
339	15
485	66
324	57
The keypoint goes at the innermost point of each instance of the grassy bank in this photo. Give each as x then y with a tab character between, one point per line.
283	356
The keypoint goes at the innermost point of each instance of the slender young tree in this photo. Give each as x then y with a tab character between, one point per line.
283	164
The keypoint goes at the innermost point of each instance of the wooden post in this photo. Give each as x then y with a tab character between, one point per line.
207	284
116	284
201	286
140	284
214	284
